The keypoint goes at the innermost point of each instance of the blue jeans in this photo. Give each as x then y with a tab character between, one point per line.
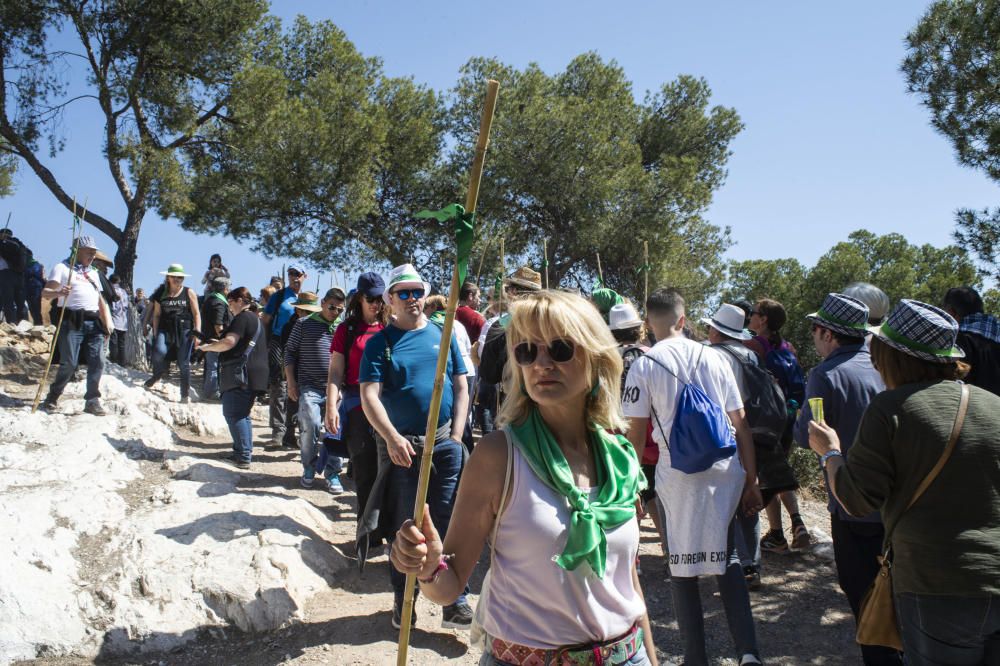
640	658
402	492
940	629
236	406
161	364
735	601
748	541
70	342
210	385
311	404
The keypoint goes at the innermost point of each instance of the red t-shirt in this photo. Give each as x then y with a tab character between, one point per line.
471	320
361	334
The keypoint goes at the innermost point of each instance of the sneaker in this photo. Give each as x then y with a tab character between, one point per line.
242	464
774	542
801	539
149	382
753	578
185	400
93	406
50	406
456	616
334	486
397	616
748	659
306	482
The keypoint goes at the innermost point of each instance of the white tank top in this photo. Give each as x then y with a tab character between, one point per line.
535	602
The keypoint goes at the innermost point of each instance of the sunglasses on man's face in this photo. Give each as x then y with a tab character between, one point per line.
336	307
560	351
407	294
294	274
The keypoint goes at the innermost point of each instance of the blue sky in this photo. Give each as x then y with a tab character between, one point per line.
832	142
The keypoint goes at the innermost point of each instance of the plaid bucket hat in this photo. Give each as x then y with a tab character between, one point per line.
921	330
842	314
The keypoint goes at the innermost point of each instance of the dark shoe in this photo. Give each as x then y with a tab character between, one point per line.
93	406
774	542
50	406
242	464
753	578
456	616
397	616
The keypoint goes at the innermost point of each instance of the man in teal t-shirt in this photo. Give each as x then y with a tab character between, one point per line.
397	380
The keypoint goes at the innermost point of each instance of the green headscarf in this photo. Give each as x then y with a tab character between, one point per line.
605	299
618	474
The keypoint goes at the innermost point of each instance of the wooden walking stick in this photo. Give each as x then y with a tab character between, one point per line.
492	87
600	273
77	226
645	268
545	260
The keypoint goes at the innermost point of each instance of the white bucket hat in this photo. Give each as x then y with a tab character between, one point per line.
405	276
623	316
728	320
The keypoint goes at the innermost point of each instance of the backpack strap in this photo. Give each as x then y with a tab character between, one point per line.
666	440
741	359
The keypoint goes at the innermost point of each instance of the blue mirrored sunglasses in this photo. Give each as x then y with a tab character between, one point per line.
405	294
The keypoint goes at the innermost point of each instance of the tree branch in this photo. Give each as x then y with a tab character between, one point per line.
204	118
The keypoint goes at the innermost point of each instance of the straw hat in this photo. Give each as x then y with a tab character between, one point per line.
307	301
525	278
728	320
100	256
842	314
174	270
921	330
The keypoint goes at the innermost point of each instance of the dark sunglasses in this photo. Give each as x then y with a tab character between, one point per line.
336	307
294	274
373	299
560	351
406	294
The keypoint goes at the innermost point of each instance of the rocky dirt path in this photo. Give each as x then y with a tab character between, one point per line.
800	614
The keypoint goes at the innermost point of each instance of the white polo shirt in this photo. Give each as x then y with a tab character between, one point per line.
85	285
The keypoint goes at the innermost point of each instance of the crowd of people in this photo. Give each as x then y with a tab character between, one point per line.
565	420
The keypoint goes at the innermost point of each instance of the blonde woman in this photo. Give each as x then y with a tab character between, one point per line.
563	581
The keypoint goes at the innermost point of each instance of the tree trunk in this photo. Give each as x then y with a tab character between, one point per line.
126	256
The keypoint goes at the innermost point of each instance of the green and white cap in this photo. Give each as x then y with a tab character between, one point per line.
174	270
405	277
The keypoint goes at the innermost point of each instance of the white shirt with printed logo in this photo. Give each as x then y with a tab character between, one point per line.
699	506
86	287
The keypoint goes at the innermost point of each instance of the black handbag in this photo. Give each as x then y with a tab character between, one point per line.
233	372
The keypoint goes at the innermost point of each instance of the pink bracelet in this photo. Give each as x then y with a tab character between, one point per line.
442	566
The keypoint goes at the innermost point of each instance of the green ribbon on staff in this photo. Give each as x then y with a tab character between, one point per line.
645	268
464	233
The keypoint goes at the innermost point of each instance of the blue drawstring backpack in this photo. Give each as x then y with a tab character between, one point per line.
701	434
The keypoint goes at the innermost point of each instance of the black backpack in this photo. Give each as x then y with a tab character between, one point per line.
630	354
765	403
14	253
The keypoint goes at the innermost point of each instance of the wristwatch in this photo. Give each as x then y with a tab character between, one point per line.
829	454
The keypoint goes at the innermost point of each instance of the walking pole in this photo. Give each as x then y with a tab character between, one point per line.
600	273
645	267
545	260
77	225
442	362
7	226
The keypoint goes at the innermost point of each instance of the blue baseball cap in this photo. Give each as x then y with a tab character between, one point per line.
371	284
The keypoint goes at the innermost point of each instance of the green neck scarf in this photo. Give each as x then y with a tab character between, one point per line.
620	481
331	325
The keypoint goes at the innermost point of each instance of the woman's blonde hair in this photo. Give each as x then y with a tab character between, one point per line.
555	315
